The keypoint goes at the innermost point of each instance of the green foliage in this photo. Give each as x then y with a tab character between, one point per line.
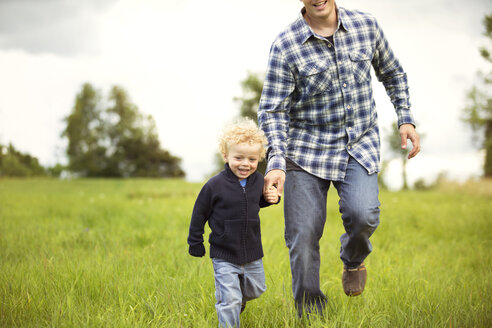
56	170
381	183
252	86
86	151
394	142
478	111
117	141
16	164
113	253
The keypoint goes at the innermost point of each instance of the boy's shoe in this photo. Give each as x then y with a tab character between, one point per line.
354	280
243	305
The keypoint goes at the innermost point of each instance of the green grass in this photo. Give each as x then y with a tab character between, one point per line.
113	253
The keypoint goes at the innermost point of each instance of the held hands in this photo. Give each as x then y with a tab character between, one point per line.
407	131
274	179
271	195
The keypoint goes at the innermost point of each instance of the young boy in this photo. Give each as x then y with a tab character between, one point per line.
230	202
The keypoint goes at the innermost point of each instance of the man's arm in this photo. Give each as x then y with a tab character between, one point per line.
273	115
389	71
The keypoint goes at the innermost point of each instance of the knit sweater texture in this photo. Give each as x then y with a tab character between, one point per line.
232	213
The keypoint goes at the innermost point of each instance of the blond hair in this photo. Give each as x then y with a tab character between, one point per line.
243	131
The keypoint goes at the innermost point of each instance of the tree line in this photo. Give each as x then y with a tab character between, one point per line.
106	138
14	163
116	140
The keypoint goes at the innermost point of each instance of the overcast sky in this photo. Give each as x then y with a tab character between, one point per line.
182	62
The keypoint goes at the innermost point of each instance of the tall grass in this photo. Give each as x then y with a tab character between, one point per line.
113	253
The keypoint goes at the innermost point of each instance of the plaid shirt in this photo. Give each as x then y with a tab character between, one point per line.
317	106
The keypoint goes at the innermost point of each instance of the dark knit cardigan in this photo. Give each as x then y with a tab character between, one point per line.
232	214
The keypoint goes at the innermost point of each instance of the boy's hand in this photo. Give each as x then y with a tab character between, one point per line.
197	250
271	195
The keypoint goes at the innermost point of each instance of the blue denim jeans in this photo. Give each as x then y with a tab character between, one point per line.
234	285
305	215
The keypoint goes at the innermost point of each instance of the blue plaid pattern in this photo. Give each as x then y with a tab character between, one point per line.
317	106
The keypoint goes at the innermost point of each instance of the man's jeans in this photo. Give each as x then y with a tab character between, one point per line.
305	216
234	285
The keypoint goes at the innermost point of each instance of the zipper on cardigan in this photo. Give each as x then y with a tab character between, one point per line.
245	222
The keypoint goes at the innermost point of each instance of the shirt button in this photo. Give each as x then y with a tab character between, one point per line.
350	129
349	147
348	107
345	85
329	45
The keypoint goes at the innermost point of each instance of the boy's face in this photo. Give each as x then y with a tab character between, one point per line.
243	159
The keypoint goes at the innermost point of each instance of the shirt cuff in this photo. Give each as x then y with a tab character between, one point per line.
405	117
276	162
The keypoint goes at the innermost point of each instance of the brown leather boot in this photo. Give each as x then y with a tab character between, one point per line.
354	280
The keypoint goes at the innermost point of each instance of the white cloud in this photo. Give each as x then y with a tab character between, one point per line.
51	26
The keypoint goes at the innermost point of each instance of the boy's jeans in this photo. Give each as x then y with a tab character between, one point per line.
234	285
305	216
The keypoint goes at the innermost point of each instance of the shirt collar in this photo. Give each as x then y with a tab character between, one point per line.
305	31
343	19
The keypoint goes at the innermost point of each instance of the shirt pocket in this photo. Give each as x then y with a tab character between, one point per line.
315	78
361	64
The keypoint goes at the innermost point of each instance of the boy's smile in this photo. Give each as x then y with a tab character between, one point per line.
243	159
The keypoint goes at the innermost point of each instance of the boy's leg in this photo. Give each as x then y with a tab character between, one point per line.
253	280
227	292
305	216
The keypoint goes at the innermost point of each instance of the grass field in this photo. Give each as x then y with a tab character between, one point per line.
113	253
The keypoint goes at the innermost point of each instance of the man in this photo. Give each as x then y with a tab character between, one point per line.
319	116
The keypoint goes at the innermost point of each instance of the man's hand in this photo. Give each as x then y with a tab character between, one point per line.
274	178
407	131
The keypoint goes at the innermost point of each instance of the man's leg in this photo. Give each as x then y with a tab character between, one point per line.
359	206
305	216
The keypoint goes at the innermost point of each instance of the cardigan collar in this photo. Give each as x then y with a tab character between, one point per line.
232	177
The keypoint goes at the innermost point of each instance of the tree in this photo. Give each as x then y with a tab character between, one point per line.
252	86
478	110
381	182
394	142
135	142
16	164
86	150
115	142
